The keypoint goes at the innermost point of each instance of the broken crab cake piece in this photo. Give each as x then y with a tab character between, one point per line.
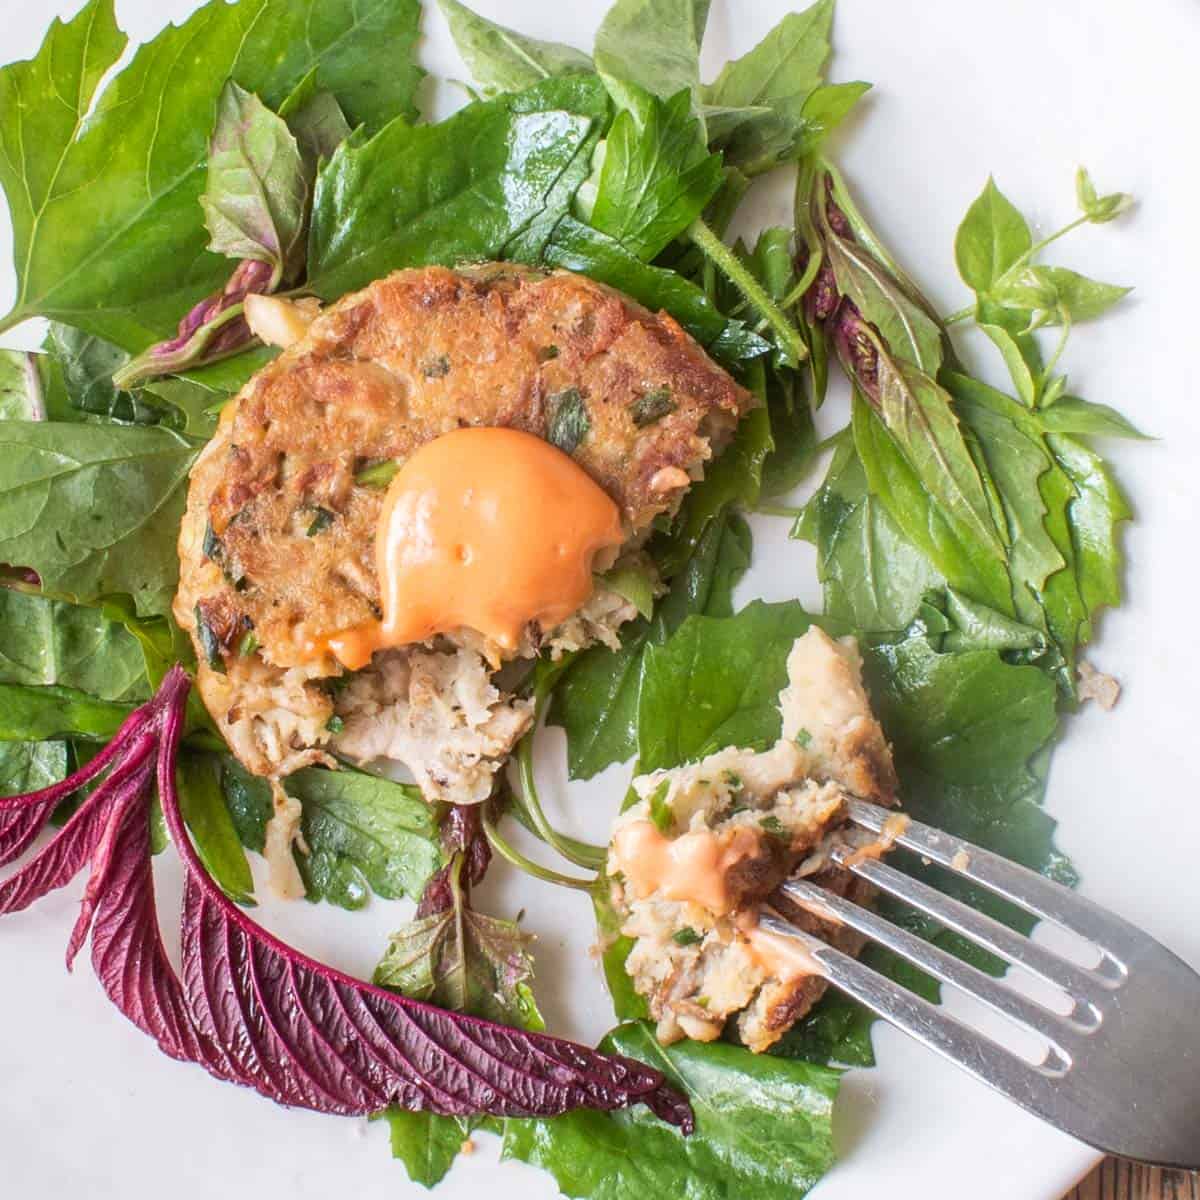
694	861
277	544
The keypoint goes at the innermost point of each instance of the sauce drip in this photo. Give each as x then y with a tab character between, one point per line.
784	957
691	868
486	529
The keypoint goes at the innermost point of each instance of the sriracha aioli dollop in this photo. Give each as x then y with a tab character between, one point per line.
483	528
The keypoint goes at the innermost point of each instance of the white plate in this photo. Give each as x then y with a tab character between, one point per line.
88	1107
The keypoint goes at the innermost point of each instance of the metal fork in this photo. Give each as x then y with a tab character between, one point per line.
1122	1067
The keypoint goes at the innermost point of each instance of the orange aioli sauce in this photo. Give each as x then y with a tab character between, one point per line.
487	529
691	868
784	957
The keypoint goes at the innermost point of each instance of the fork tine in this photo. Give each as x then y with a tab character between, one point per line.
1058	1030
1086	988
929	1024
1041	896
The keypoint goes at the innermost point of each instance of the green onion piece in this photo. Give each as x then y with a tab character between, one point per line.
209	642
248	644
378	475
436	368
803	737
651	407
686	937
546	353
660	810
570	423
320	522
773	825
335	724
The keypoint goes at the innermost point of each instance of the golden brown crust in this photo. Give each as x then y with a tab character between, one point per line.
414	356
278	538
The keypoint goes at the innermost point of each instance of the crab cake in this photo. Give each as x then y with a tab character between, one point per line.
694	861
277	547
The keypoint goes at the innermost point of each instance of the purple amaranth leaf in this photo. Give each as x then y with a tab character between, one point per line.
207	333
256	1012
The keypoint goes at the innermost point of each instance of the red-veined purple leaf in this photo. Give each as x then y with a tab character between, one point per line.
64	857
254	1011
19	829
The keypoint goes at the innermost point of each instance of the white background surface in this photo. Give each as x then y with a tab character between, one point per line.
1022	88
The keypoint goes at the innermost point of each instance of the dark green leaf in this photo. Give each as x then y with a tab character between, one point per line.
569	420
94	509
426	1143
793	435
991	239
763	1129
657	175
256	195
37	714
317	123
31	766
364	833
462	189
127	269
203	804
596	702
575	246
501	60
51	642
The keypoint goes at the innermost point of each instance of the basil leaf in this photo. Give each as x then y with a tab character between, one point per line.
657	175
1084	299
501	60
569	420
991	239
94	509
652	407
461	189
126	269
763	1129
654	43
255	200
317	122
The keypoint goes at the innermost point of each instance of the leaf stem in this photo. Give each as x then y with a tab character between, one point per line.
790	339
579	853
963	314
779	510
512	855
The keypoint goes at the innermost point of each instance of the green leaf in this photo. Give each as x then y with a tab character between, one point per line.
31	766
763	1129
22	386
873	577
635	583
654	43
596	701
229	375
793	435
1073	415
256	196
909	332
716	683
464	960
837	1031
1099	209
203	805
364	833
657	175
919	416
575	246
107	226
188	406
317	122
37	714
501	60
94	509
990	240
426	1143
1083	298
462	189
50	642
1015	351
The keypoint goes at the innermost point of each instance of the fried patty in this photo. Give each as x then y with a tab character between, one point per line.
277	548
